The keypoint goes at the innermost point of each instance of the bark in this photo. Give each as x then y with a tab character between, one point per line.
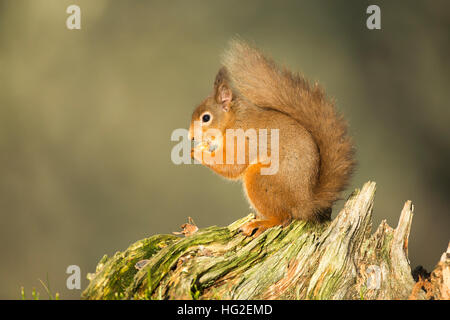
341	259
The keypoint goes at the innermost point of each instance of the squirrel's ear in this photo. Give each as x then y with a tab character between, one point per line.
222	90
224	96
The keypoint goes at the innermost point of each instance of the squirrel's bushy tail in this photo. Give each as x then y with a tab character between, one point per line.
261	81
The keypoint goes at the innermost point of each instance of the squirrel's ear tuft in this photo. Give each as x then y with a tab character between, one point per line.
222	90
221	77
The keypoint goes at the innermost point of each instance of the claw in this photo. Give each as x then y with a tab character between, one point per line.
256	227
251	228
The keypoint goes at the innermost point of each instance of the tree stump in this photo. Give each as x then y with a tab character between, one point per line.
341	259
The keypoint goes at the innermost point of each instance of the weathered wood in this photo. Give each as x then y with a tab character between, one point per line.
440	278
338	260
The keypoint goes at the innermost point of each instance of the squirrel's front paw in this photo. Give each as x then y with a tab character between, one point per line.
197	154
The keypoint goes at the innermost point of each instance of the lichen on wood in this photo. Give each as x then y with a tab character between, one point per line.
341	259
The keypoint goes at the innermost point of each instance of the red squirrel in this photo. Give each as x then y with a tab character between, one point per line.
316	155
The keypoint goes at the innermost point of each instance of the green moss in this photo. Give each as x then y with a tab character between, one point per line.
119	270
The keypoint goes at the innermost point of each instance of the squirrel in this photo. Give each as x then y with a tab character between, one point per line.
316	154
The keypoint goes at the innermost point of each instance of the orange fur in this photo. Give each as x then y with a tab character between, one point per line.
316	154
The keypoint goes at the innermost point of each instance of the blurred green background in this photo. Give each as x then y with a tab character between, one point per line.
86	118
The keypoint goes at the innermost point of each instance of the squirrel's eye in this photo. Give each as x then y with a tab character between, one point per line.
206	118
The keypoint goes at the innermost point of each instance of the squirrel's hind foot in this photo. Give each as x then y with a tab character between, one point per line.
256	227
